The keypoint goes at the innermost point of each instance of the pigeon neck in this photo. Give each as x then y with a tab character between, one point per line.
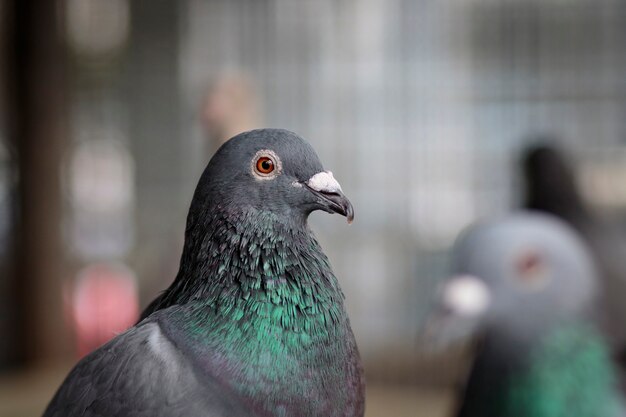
532	378
533	326
254	257
261	296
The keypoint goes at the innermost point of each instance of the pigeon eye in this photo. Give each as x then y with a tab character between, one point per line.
529	264
531	270
264	165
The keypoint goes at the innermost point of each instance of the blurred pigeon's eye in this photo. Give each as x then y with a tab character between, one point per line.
531	270
265	164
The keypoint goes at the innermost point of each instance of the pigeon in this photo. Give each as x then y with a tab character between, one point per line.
523	285
551	187
254	323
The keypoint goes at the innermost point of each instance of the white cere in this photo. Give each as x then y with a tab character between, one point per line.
466	295
324	182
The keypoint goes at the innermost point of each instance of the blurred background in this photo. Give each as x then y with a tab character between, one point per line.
110	110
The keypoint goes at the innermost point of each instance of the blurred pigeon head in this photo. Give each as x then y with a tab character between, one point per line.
522	273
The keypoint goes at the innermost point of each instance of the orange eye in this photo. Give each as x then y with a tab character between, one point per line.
532	271
529	265
264	165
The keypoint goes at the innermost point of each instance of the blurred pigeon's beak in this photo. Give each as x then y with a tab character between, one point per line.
466	296
328	190
463	302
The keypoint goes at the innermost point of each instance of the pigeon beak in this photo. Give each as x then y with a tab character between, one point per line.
463	302
328	190
466	296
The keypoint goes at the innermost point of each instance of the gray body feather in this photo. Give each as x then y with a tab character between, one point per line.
141	373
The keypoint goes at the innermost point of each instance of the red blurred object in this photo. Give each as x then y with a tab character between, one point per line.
103	303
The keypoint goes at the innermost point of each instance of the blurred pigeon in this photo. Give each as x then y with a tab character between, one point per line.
551	187
254	324
524	284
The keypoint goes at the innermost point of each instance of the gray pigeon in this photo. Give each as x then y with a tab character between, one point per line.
254	324
524	284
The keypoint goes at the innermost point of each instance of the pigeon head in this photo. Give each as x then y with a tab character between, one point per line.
522	273
269	170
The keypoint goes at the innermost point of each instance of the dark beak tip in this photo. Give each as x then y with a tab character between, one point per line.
336	202
349	213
